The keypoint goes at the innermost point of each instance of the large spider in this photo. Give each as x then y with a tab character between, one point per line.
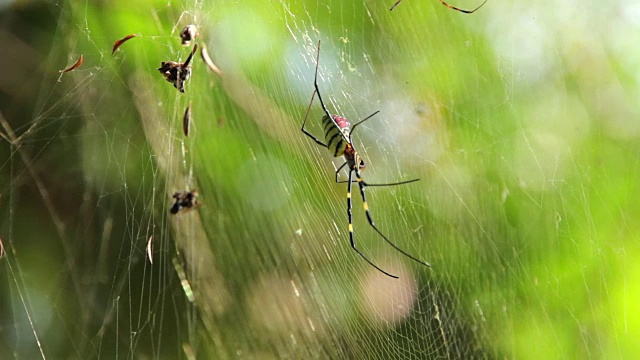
338	136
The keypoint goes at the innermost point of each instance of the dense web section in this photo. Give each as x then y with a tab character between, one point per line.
230	240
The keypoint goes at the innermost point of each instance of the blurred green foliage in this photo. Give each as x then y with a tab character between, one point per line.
526	143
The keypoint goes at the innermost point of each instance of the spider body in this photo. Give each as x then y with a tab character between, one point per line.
338	140
336	133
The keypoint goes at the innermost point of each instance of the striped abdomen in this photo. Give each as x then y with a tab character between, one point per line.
336	133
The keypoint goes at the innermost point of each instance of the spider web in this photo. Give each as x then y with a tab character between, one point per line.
526	145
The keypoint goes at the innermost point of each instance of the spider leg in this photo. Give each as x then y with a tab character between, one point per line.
351	238
364	183
315	84
353	128
395	4
445	4
461	10
338	174
361	185
305	131
390	184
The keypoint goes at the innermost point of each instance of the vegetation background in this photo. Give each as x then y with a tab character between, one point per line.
521	120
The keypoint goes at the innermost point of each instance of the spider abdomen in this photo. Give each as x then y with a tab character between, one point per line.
336	133
342	122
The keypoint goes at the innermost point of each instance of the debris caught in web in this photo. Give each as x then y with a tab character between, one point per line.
204	53
186	120
189	33
74	66
178	73
185	200
119	43
150	249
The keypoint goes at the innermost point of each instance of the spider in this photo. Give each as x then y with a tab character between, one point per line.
338	136
447	5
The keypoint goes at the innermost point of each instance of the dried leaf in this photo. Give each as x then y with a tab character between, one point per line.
189	33
119	43
74	66
185	200
150	249
186	120
177	73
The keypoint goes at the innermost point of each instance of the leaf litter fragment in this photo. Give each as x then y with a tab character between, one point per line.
178	73
119	43
74	66
186	120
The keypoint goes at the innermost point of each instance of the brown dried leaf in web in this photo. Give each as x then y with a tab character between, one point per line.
74	66
186	120
119	43
177	73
